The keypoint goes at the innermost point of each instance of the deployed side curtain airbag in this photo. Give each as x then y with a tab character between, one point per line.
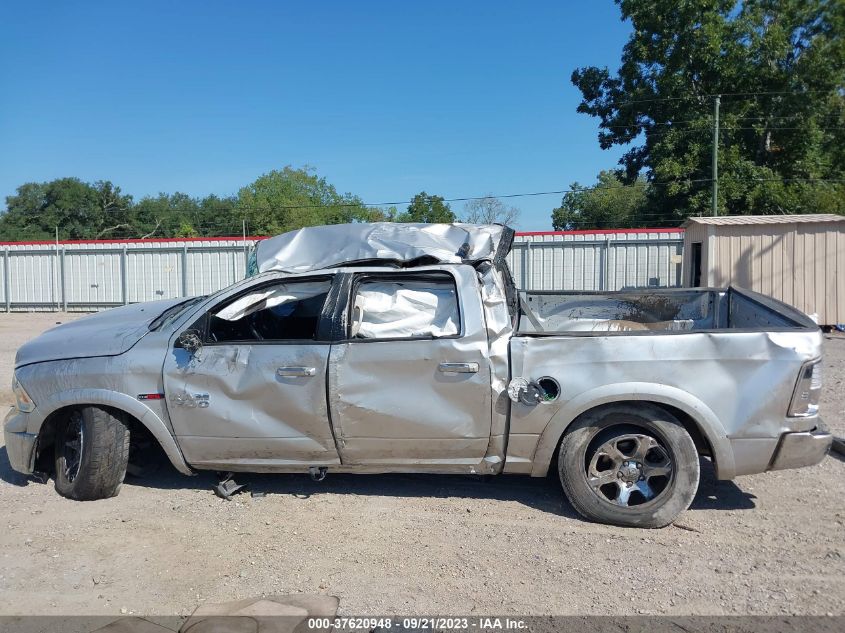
405	309
272	297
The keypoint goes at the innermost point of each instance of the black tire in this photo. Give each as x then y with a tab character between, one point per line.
613	458
97	468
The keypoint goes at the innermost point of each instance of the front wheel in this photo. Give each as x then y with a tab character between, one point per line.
629	465
91	454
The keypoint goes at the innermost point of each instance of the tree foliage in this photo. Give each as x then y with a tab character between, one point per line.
275	202
780	66
490	210
426	208
291	198
76	208
607	205
180	215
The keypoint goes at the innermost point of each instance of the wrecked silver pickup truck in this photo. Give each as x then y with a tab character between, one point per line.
371	348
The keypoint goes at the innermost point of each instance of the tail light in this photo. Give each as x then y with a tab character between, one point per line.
808	389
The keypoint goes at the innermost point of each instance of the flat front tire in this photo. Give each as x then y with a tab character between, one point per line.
629	465
91	454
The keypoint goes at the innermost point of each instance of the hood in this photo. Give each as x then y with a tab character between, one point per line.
106	333
319	247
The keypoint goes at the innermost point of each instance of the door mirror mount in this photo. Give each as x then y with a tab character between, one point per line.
190	341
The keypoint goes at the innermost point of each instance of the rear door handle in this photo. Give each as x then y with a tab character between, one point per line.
458	368
296	371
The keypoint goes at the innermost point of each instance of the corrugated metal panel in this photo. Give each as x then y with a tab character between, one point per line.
597	260
799	263
722	220
96	275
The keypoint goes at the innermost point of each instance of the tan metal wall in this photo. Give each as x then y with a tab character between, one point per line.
802	264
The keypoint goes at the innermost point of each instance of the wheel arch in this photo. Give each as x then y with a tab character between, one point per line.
138	413
698	419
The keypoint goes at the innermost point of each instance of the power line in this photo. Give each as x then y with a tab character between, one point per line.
767	128
733	94
644	183
175	214
708	121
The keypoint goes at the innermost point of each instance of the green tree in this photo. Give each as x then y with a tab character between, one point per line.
167	215
78	209
180	215
114	210
428	209
780	66
607	205
385	214
291	198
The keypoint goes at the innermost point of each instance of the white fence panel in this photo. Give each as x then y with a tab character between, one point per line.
600	260
85	276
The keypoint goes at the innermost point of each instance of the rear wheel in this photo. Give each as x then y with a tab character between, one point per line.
91	454
629	465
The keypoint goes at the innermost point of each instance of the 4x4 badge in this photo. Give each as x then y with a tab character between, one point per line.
192	401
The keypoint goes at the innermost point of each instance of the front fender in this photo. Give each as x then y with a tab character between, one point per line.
115	400
707	422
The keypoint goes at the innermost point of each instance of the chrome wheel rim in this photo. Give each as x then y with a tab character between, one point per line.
72	443
630	470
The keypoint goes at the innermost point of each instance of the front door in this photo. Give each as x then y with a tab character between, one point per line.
410	385
253	396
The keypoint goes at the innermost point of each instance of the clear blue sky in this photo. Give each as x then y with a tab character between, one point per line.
383	98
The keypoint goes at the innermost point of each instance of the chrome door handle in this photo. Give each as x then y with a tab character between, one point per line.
458	368
296	371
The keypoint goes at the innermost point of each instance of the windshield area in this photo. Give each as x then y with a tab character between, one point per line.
168	316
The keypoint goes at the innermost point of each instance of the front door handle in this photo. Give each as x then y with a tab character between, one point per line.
283	372
458	368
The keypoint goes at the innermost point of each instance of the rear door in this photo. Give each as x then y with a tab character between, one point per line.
254	395
410	384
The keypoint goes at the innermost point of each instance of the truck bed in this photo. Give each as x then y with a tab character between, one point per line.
729	357
652	311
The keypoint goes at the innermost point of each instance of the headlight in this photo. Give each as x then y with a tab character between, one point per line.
22	399
808	390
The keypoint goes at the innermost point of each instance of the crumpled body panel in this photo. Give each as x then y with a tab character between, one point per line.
230	406
396	402
321	247
736	385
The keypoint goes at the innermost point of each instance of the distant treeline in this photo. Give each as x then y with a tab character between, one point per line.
276	202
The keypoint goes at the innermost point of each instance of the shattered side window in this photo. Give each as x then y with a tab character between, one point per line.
405	309
281	312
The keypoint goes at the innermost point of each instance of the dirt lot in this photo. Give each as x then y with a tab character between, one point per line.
767	544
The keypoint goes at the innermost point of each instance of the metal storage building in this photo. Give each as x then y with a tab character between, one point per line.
798	259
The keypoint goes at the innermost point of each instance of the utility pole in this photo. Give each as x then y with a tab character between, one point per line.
715	202
246	250
57	272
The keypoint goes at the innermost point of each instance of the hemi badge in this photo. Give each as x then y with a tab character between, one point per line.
151	396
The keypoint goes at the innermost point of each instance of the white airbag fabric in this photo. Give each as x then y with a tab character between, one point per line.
404	309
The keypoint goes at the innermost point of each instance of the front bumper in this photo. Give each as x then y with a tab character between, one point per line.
20	445
796	450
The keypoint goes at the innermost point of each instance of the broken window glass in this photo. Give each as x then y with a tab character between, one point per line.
288	311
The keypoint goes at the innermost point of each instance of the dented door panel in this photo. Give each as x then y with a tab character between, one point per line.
232	406
391	403
425	402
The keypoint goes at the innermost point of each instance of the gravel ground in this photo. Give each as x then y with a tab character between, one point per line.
766	544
